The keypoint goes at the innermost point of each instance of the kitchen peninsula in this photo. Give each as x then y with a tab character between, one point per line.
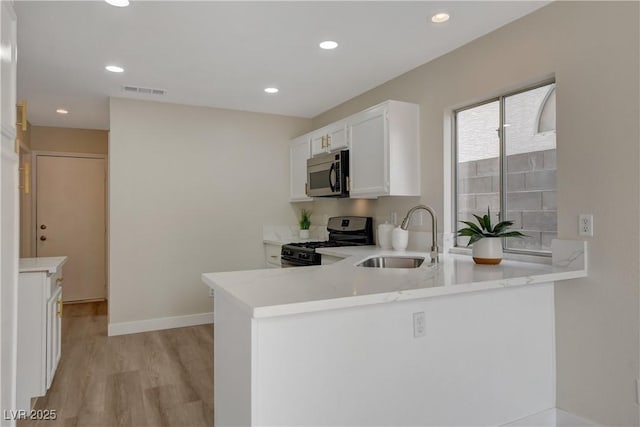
456	343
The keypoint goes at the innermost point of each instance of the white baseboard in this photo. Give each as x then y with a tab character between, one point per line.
553	417
124	328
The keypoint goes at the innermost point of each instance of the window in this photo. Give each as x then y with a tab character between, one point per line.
511	172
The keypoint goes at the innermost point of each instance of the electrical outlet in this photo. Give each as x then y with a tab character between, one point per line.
394	218
210	293
419	324
585	225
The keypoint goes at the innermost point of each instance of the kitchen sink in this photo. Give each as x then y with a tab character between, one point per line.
391	262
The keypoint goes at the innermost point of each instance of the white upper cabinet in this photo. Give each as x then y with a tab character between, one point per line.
299	152
330	138
384	157
384	151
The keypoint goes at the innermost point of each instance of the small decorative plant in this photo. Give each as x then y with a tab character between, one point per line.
484	229
305	219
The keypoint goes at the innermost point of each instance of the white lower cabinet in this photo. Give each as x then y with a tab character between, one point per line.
54	334
272	255
39	329
330	259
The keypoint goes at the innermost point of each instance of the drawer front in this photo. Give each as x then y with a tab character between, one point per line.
272	254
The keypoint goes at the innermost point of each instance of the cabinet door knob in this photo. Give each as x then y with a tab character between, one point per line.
43	227
43	238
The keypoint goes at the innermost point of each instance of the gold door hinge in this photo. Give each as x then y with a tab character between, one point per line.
26	186
60	307
23	115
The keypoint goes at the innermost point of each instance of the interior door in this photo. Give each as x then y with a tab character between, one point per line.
70	221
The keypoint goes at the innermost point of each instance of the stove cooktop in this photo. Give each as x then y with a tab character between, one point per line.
343	231
324	244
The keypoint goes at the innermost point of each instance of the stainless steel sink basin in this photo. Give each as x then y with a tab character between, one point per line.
392	262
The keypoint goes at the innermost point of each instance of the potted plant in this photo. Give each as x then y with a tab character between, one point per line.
305	223
487	239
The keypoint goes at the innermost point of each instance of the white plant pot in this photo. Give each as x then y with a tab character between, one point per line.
304	234
487	250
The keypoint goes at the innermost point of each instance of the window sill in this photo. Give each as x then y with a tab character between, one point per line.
536	259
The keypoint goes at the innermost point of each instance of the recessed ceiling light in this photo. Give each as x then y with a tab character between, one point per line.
271	90
114	68
62	111
439	18
118	3
328	45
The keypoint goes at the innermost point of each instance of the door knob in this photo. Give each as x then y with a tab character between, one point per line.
43	227
43	238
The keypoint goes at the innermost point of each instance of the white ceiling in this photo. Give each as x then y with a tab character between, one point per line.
223	54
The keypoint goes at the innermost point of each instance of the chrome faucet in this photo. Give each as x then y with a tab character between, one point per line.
434	229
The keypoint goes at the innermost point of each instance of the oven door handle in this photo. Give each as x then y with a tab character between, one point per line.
284	263
332	177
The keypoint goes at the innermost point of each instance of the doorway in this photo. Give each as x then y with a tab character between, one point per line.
70	219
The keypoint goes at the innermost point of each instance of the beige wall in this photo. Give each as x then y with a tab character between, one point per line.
592	49
190	189
45	138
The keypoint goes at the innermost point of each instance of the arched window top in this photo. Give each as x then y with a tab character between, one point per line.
546	121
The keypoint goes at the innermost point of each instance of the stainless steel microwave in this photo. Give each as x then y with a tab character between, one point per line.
328	175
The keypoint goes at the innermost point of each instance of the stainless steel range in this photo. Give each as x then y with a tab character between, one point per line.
343	231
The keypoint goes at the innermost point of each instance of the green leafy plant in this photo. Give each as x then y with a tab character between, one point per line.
305	219
484	229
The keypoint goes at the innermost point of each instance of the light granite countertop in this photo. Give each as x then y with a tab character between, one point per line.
277	292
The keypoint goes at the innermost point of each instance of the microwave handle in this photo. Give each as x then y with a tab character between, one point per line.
332	177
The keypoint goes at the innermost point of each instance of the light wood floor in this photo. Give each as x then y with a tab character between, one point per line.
160	378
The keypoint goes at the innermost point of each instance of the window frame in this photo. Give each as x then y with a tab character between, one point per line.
502	161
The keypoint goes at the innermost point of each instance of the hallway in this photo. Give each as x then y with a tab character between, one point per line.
159	378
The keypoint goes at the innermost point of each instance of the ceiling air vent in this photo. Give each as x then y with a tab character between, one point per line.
143	90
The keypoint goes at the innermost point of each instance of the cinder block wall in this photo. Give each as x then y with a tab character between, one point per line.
531	195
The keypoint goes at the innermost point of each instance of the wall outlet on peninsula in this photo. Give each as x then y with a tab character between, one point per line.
419	324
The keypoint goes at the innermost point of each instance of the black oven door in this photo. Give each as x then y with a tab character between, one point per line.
285	263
